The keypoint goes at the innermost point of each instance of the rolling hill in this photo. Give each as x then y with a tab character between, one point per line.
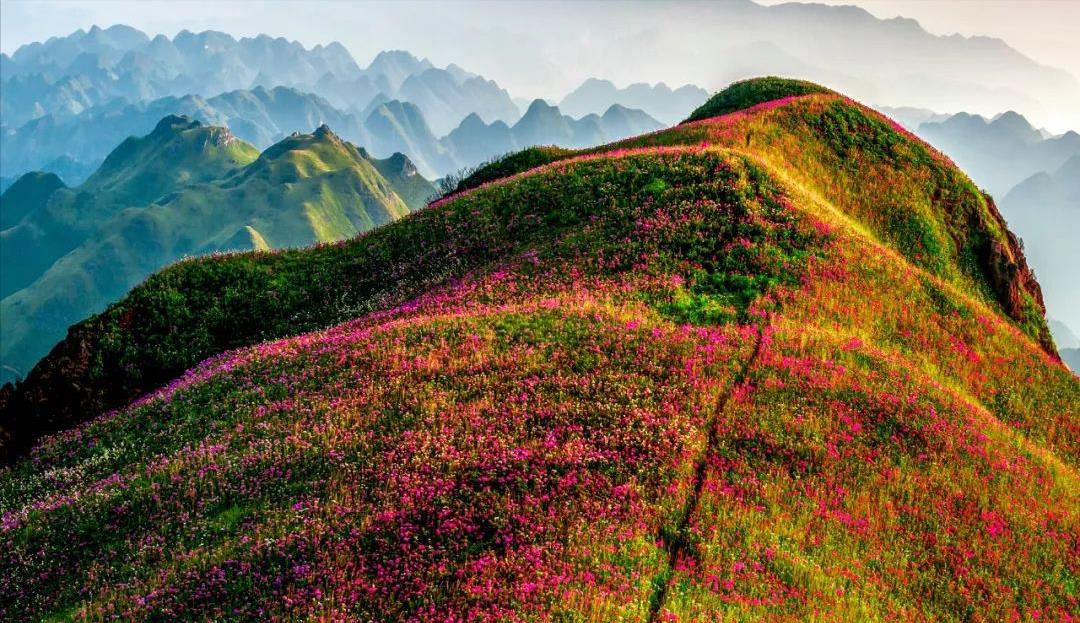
185	189
785	363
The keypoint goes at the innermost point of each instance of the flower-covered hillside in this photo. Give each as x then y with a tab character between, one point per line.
668	383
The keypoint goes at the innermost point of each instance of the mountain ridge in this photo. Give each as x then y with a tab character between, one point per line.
306	189
263	116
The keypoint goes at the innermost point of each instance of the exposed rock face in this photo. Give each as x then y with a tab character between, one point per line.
1011	278
52	397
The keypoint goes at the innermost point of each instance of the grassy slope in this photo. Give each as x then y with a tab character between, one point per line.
27	193
887	181
665	385
306	189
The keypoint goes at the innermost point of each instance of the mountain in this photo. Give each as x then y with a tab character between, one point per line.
658	101
446	101
762	366
401	127
27	193
68	75
1000	152
258	116
474	142
885	61
80	81
911	117
543	123
1041	210
140	170
77	250
621	122
391	68
1017	164
66	101
262	116
1063	335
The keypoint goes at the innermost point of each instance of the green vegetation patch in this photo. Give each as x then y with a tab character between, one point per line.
747	93
510	164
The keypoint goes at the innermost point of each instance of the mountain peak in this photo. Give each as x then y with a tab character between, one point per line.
399	164
539	105
1013	121
29	192
175	123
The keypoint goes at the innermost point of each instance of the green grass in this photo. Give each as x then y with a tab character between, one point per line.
510	164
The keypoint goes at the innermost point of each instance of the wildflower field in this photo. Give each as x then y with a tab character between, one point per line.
782	364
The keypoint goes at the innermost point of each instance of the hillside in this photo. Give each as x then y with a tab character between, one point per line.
781	364
165	197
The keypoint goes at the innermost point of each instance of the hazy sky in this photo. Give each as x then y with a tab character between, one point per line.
1047	31
538	49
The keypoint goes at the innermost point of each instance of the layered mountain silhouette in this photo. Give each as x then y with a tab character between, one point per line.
68	76
779	362
185	189
1000	152
262	117
658	101
543	124
883	61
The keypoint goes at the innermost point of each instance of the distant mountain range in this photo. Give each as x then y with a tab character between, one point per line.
184	189
658	101
892	61
67	101
72	147
1000	152
66	76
